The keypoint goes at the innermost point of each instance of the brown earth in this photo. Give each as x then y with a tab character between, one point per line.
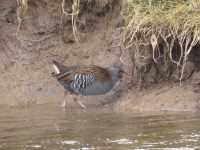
167	97
25	60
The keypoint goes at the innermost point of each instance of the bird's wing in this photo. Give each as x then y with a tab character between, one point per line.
101	74
84	76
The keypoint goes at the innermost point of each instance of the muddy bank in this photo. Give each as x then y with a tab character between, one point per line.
164	97
26	60
45	34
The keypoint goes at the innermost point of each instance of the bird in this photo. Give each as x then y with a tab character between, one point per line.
86	80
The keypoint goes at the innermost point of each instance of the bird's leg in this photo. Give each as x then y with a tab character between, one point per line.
140	81
64	104
80	103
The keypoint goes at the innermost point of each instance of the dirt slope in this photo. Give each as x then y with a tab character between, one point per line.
25	60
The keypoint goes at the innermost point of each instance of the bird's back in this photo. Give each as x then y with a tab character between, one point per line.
85	80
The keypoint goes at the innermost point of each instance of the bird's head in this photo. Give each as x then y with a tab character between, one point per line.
118	71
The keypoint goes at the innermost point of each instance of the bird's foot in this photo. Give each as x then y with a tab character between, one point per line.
80	104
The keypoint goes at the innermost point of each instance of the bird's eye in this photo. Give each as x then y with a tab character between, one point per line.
121	71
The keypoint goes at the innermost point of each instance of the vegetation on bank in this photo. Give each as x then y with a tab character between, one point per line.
162	32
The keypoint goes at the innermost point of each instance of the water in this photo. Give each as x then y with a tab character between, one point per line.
48	127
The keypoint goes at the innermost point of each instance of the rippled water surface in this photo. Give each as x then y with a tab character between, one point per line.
48	127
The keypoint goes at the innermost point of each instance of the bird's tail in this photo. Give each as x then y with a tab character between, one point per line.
59	68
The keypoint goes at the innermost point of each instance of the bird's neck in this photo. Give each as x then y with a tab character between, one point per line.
114	76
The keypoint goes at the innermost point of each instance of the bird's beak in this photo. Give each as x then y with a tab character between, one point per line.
125	75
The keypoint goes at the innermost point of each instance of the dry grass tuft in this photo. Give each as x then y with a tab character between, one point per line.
22	7
157	22
74	16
